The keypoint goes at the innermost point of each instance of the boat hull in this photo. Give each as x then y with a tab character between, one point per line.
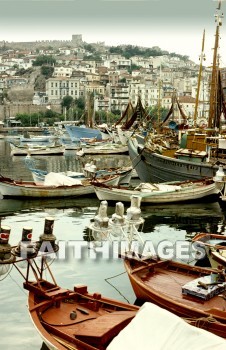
86	331
214	245
77	132
149	284
154	167
30	189
112	149
187	194
38	150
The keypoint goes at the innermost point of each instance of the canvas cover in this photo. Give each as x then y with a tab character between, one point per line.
56	179
154	328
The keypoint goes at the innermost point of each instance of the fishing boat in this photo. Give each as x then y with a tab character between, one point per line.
37	138
167	192
214	246
193	293
76	319
156	328
196	294
65	319
89	172
199	149
82	132
36	150
103	148
55	185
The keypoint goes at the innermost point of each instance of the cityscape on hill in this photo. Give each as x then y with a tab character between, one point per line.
46	76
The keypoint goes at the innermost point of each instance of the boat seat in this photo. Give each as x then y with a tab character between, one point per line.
100	331
59	291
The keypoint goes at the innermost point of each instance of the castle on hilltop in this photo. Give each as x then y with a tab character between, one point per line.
75	42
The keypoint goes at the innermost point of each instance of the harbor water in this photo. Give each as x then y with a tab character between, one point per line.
79	263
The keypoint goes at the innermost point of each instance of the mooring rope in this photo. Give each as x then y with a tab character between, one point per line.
107	280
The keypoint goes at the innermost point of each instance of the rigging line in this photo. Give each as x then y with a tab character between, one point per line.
4	277
107	280
17	284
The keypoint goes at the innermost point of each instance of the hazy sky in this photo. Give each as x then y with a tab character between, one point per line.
173	25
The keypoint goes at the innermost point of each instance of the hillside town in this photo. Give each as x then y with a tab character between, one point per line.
81	69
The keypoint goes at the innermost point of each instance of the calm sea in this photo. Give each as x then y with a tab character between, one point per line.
101	273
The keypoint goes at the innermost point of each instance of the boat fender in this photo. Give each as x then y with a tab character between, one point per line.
73	315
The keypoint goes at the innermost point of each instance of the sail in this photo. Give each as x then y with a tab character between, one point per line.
171	110
221	108
139	115
126	114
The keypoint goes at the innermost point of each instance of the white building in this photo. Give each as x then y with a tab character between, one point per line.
58	88
62	71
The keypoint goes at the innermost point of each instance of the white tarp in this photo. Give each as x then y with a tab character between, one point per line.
154	328
56	179
148	187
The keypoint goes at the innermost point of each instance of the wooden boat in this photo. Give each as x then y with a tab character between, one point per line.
214	246
65	319
81	132
155	167
36	150
38	138
62	187
168	192
182	289
89	172
104	148
78	320
200	148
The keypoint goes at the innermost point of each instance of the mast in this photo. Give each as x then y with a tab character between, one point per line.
215	68
202	57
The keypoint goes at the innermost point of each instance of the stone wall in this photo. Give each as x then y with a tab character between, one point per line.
32	45
11	110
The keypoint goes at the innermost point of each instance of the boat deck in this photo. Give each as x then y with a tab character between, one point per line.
162	283
170	283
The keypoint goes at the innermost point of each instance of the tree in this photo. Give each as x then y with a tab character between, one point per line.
42	60
47	71
157	113
80	103
67	102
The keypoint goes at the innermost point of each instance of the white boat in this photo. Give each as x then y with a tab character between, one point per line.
38	138
36	150
103	148
55	185
168	192
214	246
89	172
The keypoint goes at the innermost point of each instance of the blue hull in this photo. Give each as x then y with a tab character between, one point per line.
77	132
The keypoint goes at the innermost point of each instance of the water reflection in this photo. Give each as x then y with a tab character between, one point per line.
15	166
72	218
184	221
